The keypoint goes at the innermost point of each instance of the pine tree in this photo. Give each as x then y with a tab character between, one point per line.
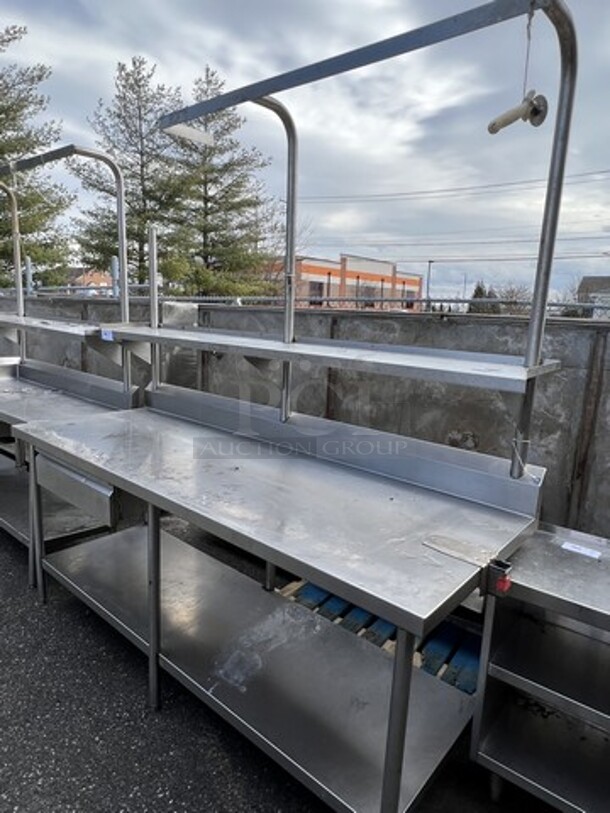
40	201
493	307
481	292
214	222
228	229
127	129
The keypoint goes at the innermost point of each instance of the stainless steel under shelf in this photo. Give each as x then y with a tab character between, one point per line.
61	520
559	759
561	667
310	694
506	373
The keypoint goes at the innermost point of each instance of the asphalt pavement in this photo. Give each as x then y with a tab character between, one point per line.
76	735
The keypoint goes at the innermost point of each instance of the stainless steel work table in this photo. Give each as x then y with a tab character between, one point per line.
403	552
543	714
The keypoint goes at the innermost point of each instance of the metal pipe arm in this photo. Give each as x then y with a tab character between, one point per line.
35	161
85	152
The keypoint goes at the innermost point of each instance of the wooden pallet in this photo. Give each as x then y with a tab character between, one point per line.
450	652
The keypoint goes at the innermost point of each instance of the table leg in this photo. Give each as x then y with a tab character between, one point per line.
31	549
270	574
36	548
154	604
397	721
19	453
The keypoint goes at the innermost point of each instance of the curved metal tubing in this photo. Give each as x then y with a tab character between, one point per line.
560	17
16	247
20	305
34	161
290	253
68	151
85	152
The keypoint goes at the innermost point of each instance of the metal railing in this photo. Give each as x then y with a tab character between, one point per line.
439	305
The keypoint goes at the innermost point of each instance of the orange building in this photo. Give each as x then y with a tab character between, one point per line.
355	282
89	278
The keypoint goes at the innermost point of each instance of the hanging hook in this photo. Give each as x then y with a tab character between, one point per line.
533	109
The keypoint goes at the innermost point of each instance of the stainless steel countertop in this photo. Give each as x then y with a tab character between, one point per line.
406	553
566	571
22	401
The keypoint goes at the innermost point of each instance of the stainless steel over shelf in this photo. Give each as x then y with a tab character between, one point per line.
8	366
406	553
39	325
507	373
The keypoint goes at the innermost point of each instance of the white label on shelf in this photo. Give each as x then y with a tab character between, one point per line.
590	552
107	335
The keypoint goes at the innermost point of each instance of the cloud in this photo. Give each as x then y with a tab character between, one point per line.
413	123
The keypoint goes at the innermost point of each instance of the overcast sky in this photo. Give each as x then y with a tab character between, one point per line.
373	140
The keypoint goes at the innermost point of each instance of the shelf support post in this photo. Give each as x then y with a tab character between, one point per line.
290	252
153	293
16	237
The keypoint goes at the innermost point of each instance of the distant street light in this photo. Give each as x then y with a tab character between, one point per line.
428	284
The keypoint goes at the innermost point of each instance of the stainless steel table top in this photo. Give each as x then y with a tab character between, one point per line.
570	569
406	553
22	401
